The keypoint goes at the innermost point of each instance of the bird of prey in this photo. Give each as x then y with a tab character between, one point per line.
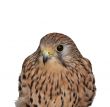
56	75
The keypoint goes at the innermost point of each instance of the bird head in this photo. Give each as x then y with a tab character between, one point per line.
56	46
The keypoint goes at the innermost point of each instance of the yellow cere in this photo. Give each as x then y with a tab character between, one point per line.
48	53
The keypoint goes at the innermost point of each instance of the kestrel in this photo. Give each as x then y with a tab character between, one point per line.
56	75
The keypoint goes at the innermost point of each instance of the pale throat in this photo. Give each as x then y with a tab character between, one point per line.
53	65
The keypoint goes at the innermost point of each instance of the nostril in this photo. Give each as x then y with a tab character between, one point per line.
49	53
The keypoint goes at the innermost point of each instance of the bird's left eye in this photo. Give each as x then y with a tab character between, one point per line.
59	47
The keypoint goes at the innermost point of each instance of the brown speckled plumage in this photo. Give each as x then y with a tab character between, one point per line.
64	80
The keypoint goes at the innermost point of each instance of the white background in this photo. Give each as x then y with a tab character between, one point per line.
24	22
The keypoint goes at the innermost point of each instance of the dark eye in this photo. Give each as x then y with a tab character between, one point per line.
59	47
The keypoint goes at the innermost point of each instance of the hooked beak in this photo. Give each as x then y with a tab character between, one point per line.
45	58
47	54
